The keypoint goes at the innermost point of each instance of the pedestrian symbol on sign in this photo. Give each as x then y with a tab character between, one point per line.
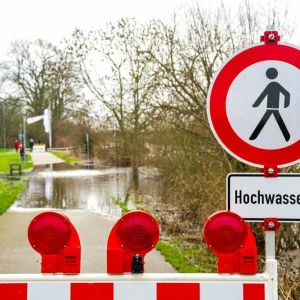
272	92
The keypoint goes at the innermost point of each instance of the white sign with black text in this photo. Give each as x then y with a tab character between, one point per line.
255	197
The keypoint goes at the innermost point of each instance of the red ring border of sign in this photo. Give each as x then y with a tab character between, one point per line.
216	106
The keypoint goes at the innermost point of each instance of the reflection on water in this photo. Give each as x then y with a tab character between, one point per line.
66	187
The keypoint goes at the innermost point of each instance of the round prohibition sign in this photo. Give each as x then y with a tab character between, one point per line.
253	105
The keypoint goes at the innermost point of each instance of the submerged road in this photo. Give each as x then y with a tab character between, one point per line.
17	256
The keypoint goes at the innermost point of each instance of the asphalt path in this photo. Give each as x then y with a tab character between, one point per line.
17	256
43	158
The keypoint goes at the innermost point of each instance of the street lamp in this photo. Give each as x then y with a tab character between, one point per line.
3	124
24	134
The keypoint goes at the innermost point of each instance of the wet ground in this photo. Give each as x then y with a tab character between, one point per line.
61	186
87	197
66	187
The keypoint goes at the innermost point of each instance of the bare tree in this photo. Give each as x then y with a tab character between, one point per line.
193	165
10	122
120	79
38	75
187	56
249	23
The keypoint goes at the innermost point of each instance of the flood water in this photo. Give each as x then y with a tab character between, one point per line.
62	186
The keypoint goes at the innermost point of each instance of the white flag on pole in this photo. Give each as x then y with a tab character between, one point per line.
45	116
47	120
34	119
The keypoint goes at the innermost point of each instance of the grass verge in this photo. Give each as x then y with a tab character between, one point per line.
187	258
66	156
10	188
121	204
8	155
9	191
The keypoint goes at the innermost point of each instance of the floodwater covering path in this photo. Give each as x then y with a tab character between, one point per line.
93	226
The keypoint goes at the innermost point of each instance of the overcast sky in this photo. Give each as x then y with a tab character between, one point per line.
51	20
54	19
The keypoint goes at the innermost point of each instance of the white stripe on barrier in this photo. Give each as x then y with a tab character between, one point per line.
134	291
158	286
147	277
48	291
212	291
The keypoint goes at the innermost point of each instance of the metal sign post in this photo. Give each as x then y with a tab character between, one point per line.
270	226
253	110
87	147
50	128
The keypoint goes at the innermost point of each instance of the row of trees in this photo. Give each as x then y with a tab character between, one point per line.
142	76
153	79
36	75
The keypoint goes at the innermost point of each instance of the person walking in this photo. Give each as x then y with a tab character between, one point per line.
21	151
16	144
31	144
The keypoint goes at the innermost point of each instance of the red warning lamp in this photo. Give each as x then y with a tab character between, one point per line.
231	238
131	238
53	236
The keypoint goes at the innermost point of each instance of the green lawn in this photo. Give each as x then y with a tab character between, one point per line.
66	156
11	187
186	257
9	155
9	191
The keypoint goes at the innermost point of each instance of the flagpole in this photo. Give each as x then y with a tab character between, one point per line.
50	128
24	136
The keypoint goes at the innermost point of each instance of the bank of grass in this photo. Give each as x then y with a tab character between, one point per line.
11	186
9	191
9	155
67	157
186	257
121	204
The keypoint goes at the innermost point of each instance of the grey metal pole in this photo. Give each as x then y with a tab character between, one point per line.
4	128
50	128
24	133
87	147
4	137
